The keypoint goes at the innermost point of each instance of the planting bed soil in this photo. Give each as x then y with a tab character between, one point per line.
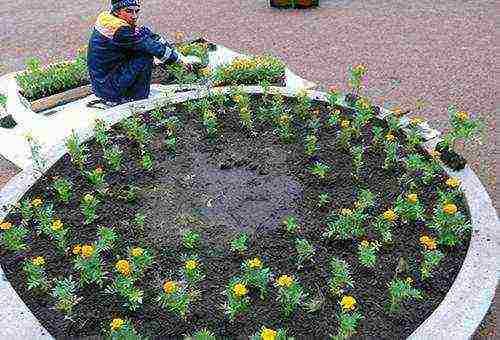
237	182
294	3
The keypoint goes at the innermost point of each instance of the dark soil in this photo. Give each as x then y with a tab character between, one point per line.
452	159
238	182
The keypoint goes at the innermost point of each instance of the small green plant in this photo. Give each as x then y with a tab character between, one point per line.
400	291
44	216
147	160
319	169
26	211
356	75
378	137
305	251
333	118
367	253
333	95
123	286
349	318
391	153
357	160
141	260
323	199
340	277
284	127
303	106
310	145
364	114
191	270
77	151
256	276
39	163
175	298
132	194
89	264
136	130
64	292
113	157
427	170
89	208
345	135
239	244
210	121
430	260
171	144
101	132
60	234
450	224
462	127
203	334
364	199
122	330
13	237
36	276
346	224
270	334
409	208
383	225
139	220
243	106
290	294
107	238
62	187
237	300
191	239
290	224
96	177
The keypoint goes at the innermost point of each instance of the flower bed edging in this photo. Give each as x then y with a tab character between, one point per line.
457	316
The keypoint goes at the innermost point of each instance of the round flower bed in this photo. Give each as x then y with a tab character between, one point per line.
253	215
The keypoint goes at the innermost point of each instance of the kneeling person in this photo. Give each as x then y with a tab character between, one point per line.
120	54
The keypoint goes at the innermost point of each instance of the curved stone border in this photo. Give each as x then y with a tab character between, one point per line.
456	317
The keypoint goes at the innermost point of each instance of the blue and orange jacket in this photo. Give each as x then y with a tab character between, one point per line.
114	42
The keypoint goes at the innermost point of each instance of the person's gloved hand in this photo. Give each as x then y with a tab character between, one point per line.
189	61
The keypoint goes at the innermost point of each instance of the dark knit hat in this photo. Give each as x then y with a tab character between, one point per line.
117	4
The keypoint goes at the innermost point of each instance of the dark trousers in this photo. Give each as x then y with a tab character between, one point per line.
133	78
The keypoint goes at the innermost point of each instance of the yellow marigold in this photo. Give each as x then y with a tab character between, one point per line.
38	261
344	124
240	289
450	208
123	267
462	115
390	215
57	225
428	242
137	252
397	111
169	287
255	263
98	170
37	202
390	137
116	324
77	249
5	225
237	98
409	280
453	182
205	72
268	334
345	211
435	154
178	35
191	264
348	302
284	119
333	88
365	243
412	198
88	198
416	120
284	281
87	250
360	68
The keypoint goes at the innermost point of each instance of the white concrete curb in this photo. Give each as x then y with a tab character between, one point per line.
456	317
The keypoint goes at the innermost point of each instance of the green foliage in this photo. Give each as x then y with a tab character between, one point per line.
302	106
89	206
191	269
236	304
113	156
13	239
340	277
305	251
357	159
310	145
333	118
203	334
136	130
409	210
62	187
323	199
451	228
124	287
348	323
64	292
391	155
90	268
290	224
76	150
319	169
36	277
383	228
239	244
400	291
430	260
290	297
39	162
147	160
107	239
429	169
126	331
265	334
462	127
367	253
346	224
191	239
177	301
101	132
256	276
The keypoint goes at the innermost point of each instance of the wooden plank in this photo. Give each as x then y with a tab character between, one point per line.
60	98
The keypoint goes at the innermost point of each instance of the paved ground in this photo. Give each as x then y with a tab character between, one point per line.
427	51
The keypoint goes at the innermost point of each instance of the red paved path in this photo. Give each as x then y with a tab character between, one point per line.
441	52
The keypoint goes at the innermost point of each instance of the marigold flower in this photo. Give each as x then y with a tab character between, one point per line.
345	211
57	225
123	267
450	209
38	261
5	225
453	182
240	289
178	35
284	119
268	334
409	280
169	287
428	242
435	154
37	202
390	215
284	281
88	198
255	263
397	111
390	137
191	264
116	324
412	198
136	252
360	68
87	250
77	249
205	71
416	120
365	243
462	116
344	124
237	98
333	88
348	302
98	170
